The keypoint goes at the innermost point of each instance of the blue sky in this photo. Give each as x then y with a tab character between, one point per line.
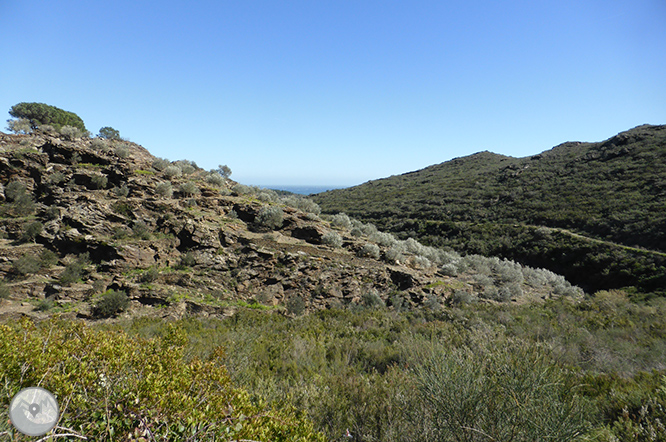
339	92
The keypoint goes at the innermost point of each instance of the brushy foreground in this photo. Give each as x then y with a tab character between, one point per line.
111	386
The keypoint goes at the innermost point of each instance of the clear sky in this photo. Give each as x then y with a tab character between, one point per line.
343	91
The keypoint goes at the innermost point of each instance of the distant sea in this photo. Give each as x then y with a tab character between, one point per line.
304	190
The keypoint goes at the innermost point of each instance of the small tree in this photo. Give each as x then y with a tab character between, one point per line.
224	170
109	133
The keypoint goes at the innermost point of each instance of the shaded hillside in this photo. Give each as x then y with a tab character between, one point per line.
96	227
595	212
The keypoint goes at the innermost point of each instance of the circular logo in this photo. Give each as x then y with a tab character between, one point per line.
34	411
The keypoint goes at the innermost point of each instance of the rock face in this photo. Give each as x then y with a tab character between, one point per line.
83	217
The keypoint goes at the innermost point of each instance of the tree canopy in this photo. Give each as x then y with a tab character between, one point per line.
39	114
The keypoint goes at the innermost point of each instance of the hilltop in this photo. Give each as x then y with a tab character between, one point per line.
94	227
594	212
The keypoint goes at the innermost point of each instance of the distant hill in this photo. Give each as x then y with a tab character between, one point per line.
594	212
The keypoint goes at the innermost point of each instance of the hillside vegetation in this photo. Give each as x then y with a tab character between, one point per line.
594	212
160	301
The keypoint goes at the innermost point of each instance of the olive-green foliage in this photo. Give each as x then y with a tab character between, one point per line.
271	217
74	270
109	133
160	163
122	152
21	201
187	260
215	179
114	387
165	190
332	239
141	230
359	368
45	305
47	258
19	126
223	170
122	191
188	189
509	392
99	181
111	303
172	172
31	230
550	210
71	132
29	263
26	265
14	190
40	113
4	290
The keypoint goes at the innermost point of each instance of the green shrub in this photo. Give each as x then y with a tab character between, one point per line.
332	239
71	132
295	305
4	290
187	260
215	179
499	393
341	220
164	190
47	258
161	164
242	189
371	299
271	217
121	192
31	231
188	189
369	250
98	181
149	275
122	152
111	304
56	178
171	172
187	169
109	133
74	270
25	265
39	114
14	190
45	305
141	230
99	144
20	126
114	387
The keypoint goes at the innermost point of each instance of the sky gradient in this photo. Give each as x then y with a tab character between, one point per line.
339	92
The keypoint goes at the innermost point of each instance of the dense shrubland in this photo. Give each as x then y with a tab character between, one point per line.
591	370
113	387
611	194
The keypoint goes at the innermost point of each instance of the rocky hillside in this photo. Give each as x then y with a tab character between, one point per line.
594	212
95	228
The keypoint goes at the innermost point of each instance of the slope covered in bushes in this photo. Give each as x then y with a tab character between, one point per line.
593	212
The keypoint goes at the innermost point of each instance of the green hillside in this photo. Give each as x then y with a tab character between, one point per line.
595	212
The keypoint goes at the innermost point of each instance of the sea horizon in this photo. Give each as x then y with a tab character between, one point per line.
303	189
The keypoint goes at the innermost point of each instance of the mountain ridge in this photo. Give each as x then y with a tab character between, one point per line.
611	190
